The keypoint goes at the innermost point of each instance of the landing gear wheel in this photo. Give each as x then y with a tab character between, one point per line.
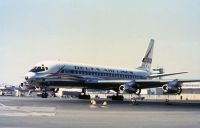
44	92
84	96
44	95
120	98
134	101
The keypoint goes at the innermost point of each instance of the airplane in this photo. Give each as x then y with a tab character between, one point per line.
58	74
7	89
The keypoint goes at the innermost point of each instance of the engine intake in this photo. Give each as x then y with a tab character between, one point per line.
172	87
130	88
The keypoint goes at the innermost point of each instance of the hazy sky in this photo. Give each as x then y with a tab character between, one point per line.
113	33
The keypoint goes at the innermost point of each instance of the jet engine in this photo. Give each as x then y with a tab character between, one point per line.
172	87
130	88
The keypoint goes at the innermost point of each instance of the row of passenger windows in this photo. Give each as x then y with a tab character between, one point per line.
98	69
102	74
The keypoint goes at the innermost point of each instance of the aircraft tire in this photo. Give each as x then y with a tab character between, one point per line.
84	96
44	95
119	98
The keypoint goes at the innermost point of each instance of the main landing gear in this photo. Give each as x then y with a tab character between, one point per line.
117	97
44	93
84	95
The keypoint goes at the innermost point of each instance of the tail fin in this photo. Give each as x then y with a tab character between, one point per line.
147	60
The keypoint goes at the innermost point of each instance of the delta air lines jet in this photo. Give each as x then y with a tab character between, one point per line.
58	74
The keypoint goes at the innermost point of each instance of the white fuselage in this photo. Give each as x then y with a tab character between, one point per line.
57	70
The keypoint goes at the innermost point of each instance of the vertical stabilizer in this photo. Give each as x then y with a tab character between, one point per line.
147	60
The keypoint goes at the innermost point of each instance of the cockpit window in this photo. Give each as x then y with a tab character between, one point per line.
38	69
43	69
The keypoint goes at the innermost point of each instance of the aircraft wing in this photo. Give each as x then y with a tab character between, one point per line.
116	83
166	74
160	83
140	83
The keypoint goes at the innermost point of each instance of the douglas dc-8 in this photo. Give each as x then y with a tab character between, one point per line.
57	74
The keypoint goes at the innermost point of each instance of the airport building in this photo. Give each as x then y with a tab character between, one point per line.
190	91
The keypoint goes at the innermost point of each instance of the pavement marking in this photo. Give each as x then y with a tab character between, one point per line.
5	100
26	114
2	105
26	111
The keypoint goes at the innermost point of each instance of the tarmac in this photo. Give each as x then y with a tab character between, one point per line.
34	112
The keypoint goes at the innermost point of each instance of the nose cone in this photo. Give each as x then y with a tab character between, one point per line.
29	76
